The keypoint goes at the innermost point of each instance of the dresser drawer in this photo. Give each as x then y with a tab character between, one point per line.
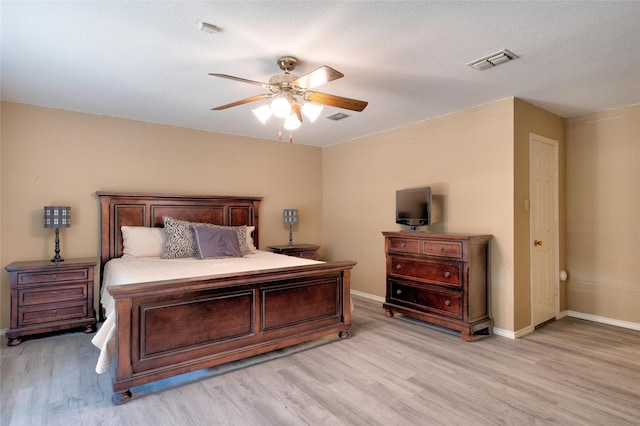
51	313
405	245
443	248
67	275
52	294
426	298
447	274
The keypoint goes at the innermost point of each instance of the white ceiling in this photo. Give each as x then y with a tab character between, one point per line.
150	61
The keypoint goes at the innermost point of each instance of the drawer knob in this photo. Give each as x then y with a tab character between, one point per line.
441	248
54	313
54	276
398	291
447	274
398	266
447	302
403	245
54	293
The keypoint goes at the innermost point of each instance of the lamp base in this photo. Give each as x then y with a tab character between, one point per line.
57	258
290	235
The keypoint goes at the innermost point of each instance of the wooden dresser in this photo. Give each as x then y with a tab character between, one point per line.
48	296
439	278
308	251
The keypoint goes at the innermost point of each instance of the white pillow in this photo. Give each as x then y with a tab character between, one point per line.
250	243
142	241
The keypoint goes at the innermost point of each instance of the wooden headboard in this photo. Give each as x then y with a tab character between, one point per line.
119	209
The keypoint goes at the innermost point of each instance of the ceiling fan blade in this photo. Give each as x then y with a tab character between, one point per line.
242	80
318	77
296	108
336	101
243	101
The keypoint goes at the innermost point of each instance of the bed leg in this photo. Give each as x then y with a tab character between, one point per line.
120	398
344	334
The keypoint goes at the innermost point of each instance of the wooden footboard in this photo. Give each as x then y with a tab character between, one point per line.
177	326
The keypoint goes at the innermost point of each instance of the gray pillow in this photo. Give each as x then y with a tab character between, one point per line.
214	242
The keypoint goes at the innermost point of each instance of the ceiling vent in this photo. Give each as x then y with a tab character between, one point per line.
338	116
493	60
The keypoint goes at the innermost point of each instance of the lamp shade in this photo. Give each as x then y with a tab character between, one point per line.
311	111
57	217
291	122
290	216
280	107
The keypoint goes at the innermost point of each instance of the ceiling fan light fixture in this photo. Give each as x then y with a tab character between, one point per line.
311	111
291	122
263	113
280	107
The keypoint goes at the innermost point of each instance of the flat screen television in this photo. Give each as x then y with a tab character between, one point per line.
413	207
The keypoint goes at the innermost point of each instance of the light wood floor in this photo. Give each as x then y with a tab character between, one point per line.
391	372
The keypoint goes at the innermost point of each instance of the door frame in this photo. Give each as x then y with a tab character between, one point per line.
534	138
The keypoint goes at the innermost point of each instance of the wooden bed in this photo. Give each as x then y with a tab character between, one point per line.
216	319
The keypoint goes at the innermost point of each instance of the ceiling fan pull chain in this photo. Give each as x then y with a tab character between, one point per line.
290	138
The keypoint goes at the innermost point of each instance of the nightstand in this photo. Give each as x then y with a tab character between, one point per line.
308	251
48	296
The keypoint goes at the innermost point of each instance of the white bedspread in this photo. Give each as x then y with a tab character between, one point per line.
128	270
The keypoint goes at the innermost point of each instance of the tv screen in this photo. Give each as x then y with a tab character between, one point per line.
413	207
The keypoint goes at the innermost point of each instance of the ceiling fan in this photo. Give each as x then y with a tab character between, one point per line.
287	86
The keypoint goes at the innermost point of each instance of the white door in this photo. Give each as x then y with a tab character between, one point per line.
543	195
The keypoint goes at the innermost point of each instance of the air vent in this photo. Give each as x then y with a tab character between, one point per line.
492	60
338	116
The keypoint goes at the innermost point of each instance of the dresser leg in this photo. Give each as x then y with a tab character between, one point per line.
14	341
388	313
344	334
89	329
465	337
120	398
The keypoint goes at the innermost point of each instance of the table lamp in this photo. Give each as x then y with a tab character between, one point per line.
290	217
57	217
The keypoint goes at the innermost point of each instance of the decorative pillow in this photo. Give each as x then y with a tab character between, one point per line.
178	239
213	242
243	236
250	242
142	241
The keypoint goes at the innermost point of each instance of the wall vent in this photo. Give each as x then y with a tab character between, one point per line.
492	60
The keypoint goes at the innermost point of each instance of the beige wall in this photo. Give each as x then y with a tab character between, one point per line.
530	119
58	157
466	158
603	211
476	160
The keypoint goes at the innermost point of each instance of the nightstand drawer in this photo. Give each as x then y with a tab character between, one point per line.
52	313
26	278
307	251
448	274
52	294
426	299
313	254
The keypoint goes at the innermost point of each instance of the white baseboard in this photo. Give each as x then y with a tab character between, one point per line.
604	320
368	296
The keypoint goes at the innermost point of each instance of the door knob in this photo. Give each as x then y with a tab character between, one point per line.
537	242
